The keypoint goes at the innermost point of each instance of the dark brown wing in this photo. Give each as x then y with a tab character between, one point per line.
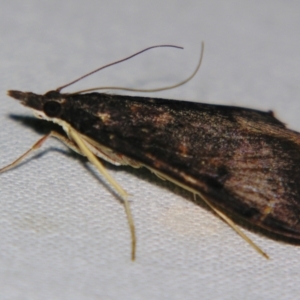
244	161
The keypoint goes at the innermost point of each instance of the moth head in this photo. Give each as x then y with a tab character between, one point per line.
46	106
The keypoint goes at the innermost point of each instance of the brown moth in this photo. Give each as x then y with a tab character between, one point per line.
238	160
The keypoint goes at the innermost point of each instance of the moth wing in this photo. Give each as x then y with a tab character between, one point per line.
245	161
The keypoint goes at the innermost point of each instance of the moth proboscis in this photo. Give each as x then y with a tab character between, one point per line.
238	160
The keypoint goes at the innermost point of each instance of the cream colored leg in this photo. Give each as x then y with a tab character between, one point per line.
80	147
37	145
94	160
235	227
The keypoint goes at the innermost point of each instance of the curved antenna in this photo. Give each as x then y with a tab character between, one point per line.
149	90
114	63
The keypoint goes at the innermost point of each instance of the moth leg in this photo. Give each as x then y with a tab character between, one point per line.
37	145
234	227
159	176
94	160
34	147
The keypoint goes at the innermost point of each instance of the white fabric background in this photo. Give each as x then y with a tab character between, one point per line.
63	233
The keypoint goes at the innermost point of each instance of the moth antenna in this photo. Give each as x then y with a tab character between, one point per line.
114	63
149	90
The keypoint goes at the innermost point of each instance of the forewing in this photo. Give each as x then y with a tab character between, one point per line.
244	161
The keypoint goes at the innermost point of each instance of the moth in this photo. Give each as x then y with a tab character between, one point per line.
240	161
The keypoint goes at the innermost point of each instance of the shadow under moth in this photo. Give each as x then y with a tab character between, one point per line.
240	161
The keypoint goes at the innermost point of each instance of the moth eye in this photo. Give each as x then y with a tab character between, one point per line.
52	108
